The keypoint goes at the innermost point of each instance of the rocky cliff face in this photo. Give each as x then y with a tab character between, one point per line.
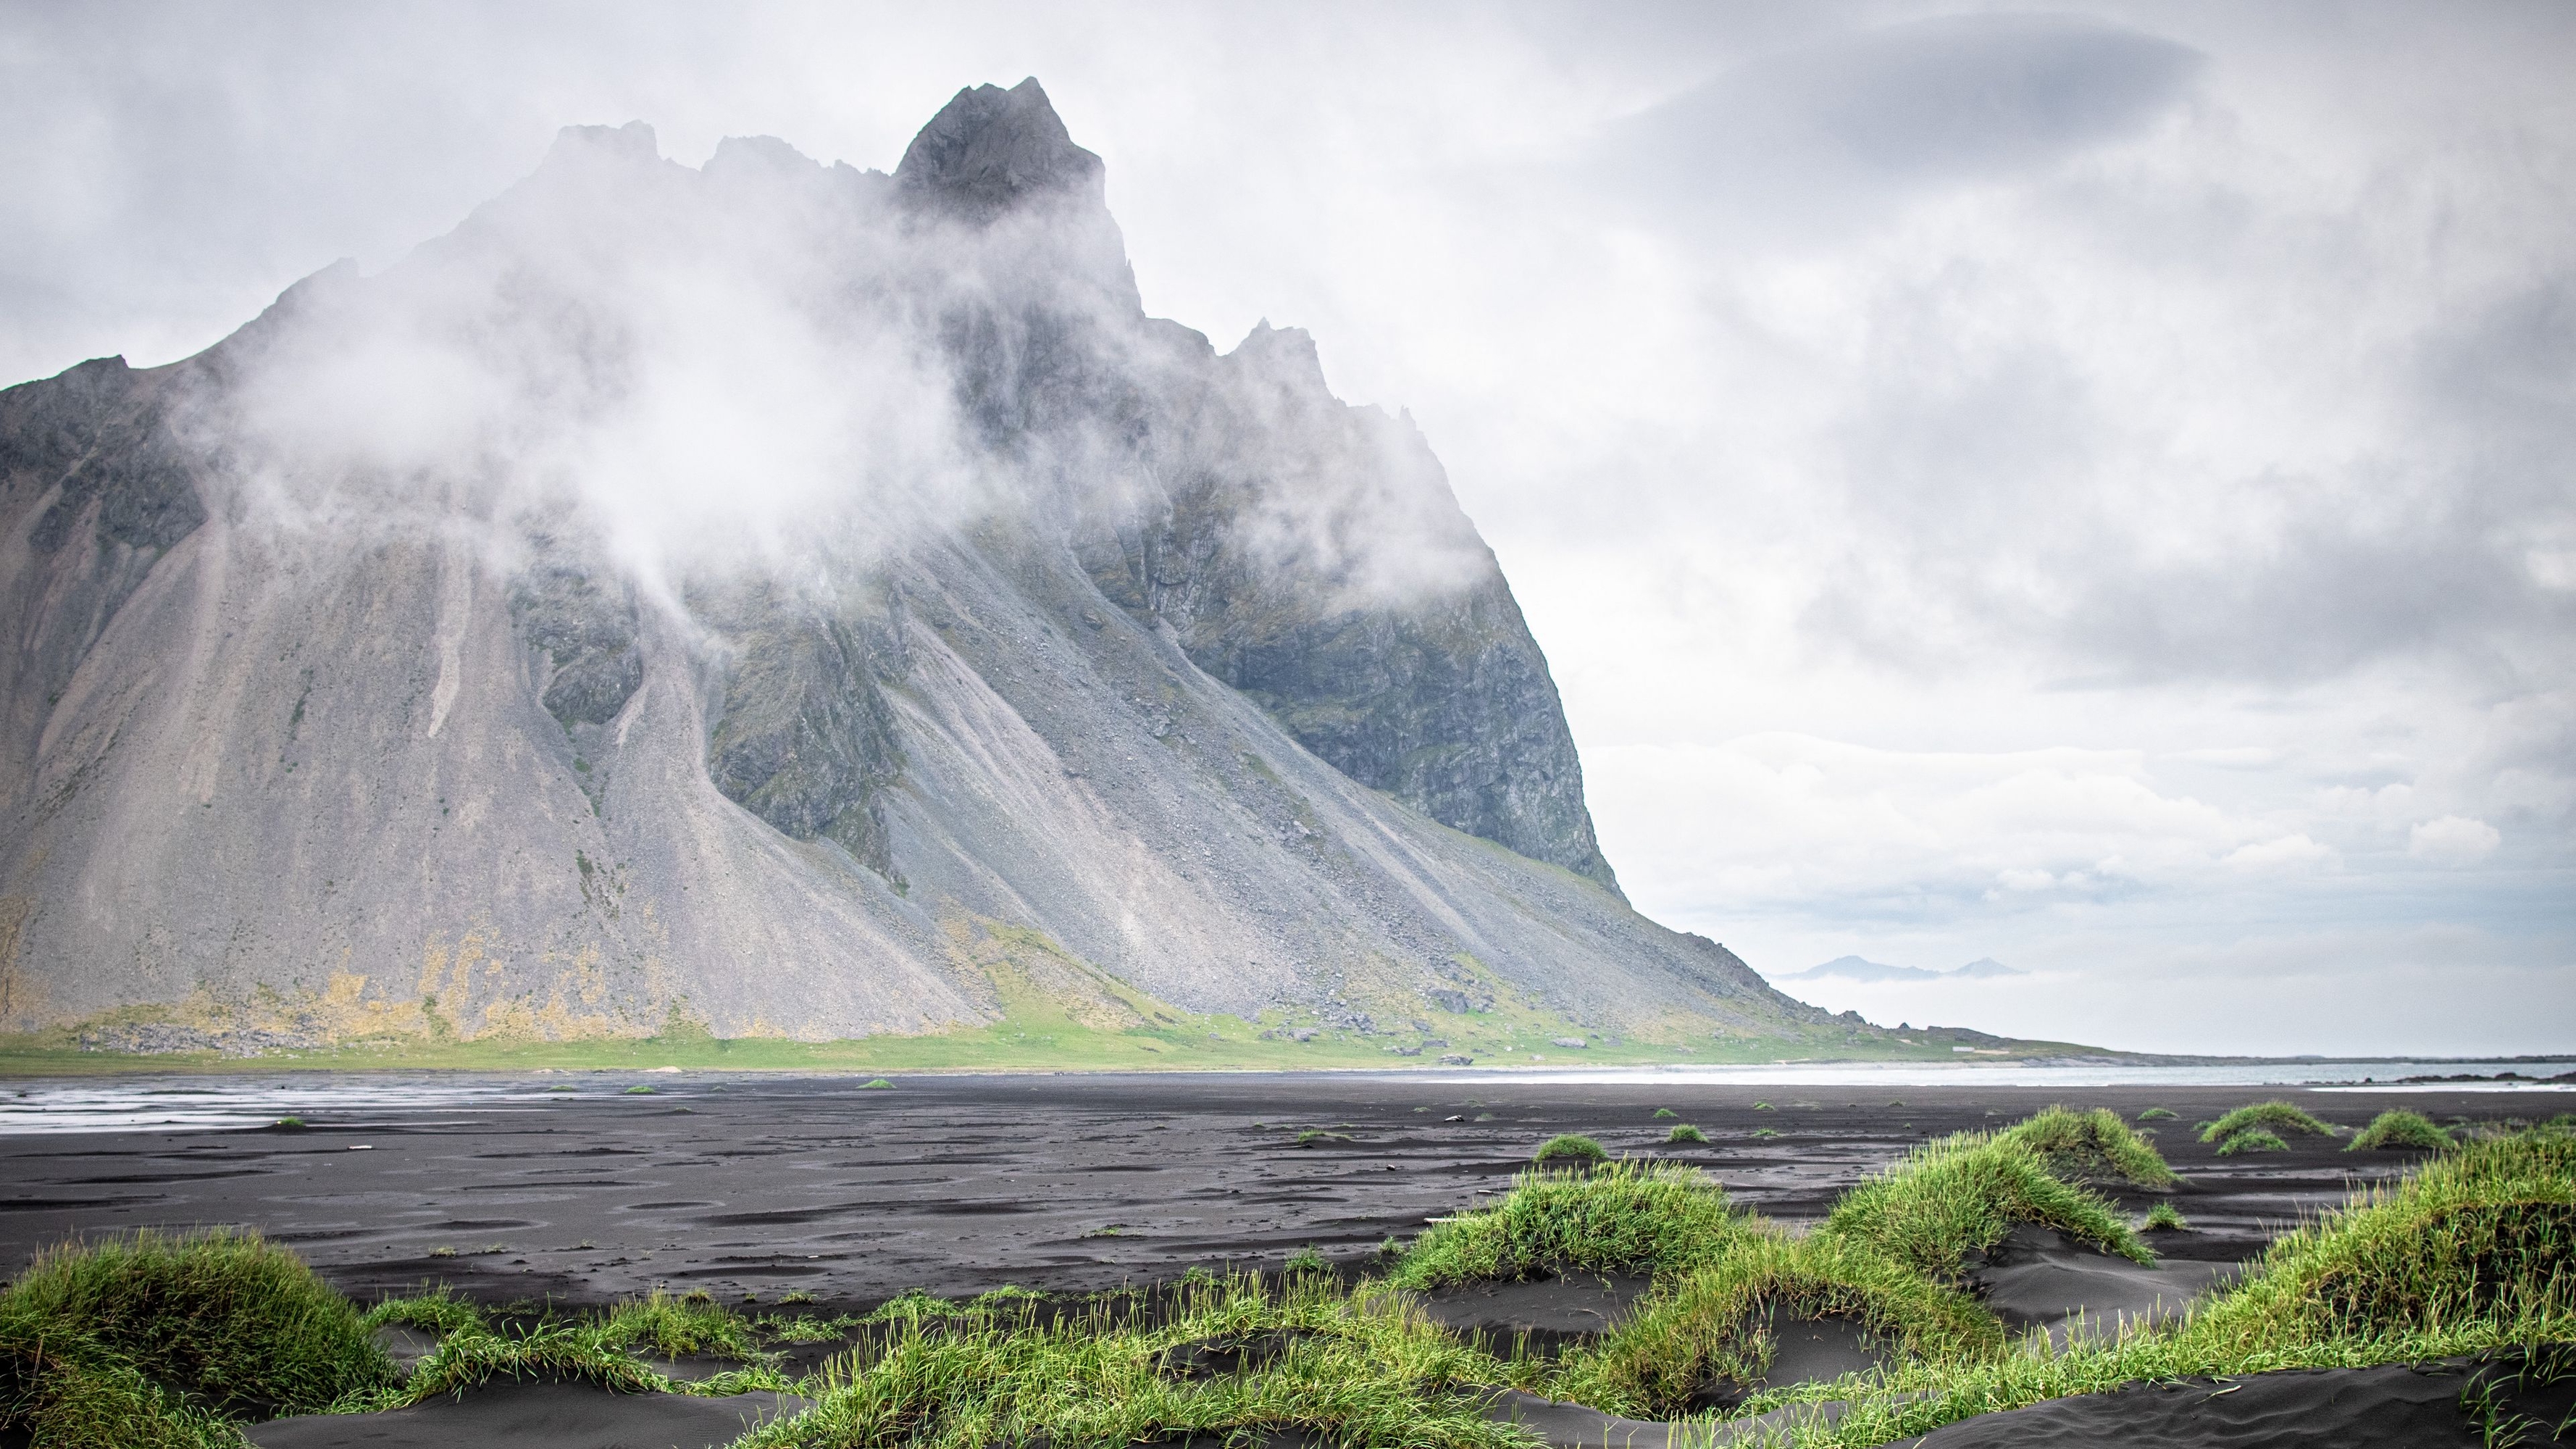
1414	673
771	595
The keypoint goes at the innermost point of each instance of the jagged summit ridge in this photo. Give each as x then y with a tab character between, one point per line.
990	148
633	143
756	595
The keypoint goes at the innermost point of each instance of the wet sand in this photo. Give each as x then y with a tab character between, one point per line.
765	1185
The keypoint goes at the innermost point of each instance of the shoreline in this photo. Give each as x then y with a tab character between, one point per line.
23	1067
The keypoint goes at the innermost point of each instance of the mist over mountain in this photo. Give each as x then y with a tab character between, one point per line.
783	599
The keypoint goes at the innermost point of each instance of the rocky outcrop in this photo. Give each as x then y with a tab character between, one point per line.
1312	556
98	491
991	150
100	442
804	738
581	618
790	599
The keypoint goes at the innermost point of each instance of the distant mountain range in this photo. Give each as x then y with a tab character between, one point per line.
1855	968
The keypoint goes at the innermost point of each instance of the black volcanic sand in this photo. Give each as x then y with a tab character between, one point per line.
762	1185
2041	1279
533	1412
2397	1406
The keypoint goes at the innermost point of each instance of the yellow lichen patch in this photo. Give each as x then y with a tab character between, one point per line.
522	1019
447	985
586	977
1027	969
344	1012
21	999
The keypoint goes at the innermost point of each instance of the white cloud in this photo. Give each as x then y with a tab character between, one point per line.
1782	821
2453	840
2003	560
2285	853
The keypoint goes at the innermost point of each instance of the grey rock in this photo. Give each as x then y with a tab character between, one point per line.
804	738
102	442
1433	691
583	620
989	149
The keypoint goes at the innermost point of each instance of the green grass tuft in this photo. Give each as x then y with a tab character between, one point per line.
1962	1195
1664	1112
179	1330
1704	1329
2096	1144
1569	1147
2481	1237
2155	1114
1348	1368
639	1090
1625	1217
2399	1129
1687	1133
2252	1139
556	1350
2467	1256
437	1311
2274	1116
672	1327
2164	1217
64	1398
878	1084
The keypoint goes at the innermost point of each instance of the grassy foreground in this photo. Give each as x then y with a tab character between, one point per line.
172	1341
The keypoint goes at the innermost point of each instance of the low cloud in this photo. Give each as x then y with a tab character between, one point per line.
1838	132
2453	840
1791	822
2283	853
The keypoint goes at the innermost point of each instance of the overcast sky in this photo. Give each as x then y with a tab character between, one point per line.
2093	487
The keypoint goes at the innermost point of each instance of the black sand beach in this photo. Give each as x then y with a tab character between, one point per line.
754	1187
961	1184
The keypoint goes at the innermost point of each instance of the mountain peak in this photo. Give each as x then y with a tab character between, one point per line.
632	142
990	148
1286	355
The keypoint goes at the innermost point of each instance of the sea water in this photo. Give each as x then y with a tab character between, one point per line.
2377	1076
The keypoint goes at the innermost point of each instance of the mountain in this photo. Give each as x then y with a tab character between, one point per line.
776	599
1854	968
